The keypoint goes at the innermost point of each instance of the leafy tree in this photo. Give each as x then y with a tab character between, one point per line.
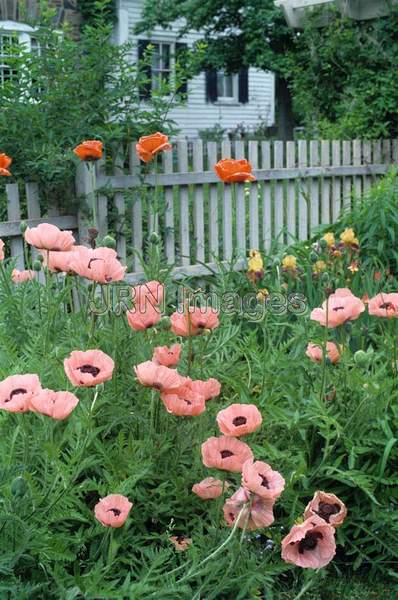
343	77
237	33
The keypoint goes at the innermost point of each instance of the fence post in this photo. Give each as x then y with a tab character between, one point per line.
84	187
14	214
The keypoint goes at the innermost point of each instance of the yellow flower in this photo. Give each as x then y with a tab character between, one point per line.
289	262
348	236
255	262
319	266
353	267
337	254
329	239
262	294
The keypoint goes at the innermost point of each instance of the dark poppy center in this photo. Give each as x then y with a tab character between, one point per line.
310	541
187	401
326	510
264	482
115	511
232	516
180	539
239	421
17	391
338	308
91	261
226	453
89	369
387	305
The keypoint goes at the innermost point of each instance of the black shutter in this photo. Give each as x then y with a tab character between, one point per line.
243	80
145	70
211	86
180	58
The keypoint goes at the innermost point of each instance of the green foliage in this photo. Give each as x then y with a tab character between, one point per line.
252	32
342	77
328	427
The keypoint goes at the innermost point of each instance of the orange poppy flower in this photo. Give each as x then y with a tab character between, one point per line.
234	171
89	150
5	162
150	145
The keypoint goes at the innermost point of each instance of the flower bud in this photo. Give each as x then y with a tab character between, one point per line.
40	257
164	323
325	277
361	358
23	226
348	327
19	487
323	243
109	242
154	238
313	257
37	265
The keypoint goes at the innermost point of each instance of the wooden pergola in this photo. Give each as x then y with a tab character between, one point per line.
297	10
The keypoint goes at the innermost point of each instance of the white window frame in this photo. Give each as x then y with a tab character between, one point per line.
234	99
23	34
171	69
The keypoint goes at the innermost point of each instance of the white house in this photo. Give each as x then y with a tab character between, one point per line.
213	98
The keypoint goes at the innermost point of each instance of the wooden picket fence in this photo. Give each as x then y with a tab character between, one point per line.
202	222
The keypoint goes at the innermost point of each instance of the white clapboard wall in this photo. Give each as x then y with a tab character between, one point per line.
202	222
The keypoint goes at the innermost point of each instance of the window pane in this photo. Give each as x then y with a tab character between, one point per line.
228	86
165	56
156	57
220	84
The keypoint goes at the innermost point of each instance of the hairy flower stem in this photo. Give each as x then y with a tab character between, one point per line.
93	192
307	586
217	550
324	355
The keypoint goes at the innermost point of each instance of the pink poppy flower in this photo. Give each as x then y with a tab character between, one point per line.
1	250
180	542
48	237
328	507
167	356
142	318
239	419
259	478
194	321
100	265
255	515
315	353
89	368
225	453
59	262
310	545
16	392
203	317
113	510
184	402
57	405
151	292
340	307
182	325
159	377
209	389
384	305
21	276
210	488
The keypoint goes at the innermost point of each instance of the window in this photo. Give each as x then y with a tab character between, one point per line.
7	45
161	72
227	87
161	66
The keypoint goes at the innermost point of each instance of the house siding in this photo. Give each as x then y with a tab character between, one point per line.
197	114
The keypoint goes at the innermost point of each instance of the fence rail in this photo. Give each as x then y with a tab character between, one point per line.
300	185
